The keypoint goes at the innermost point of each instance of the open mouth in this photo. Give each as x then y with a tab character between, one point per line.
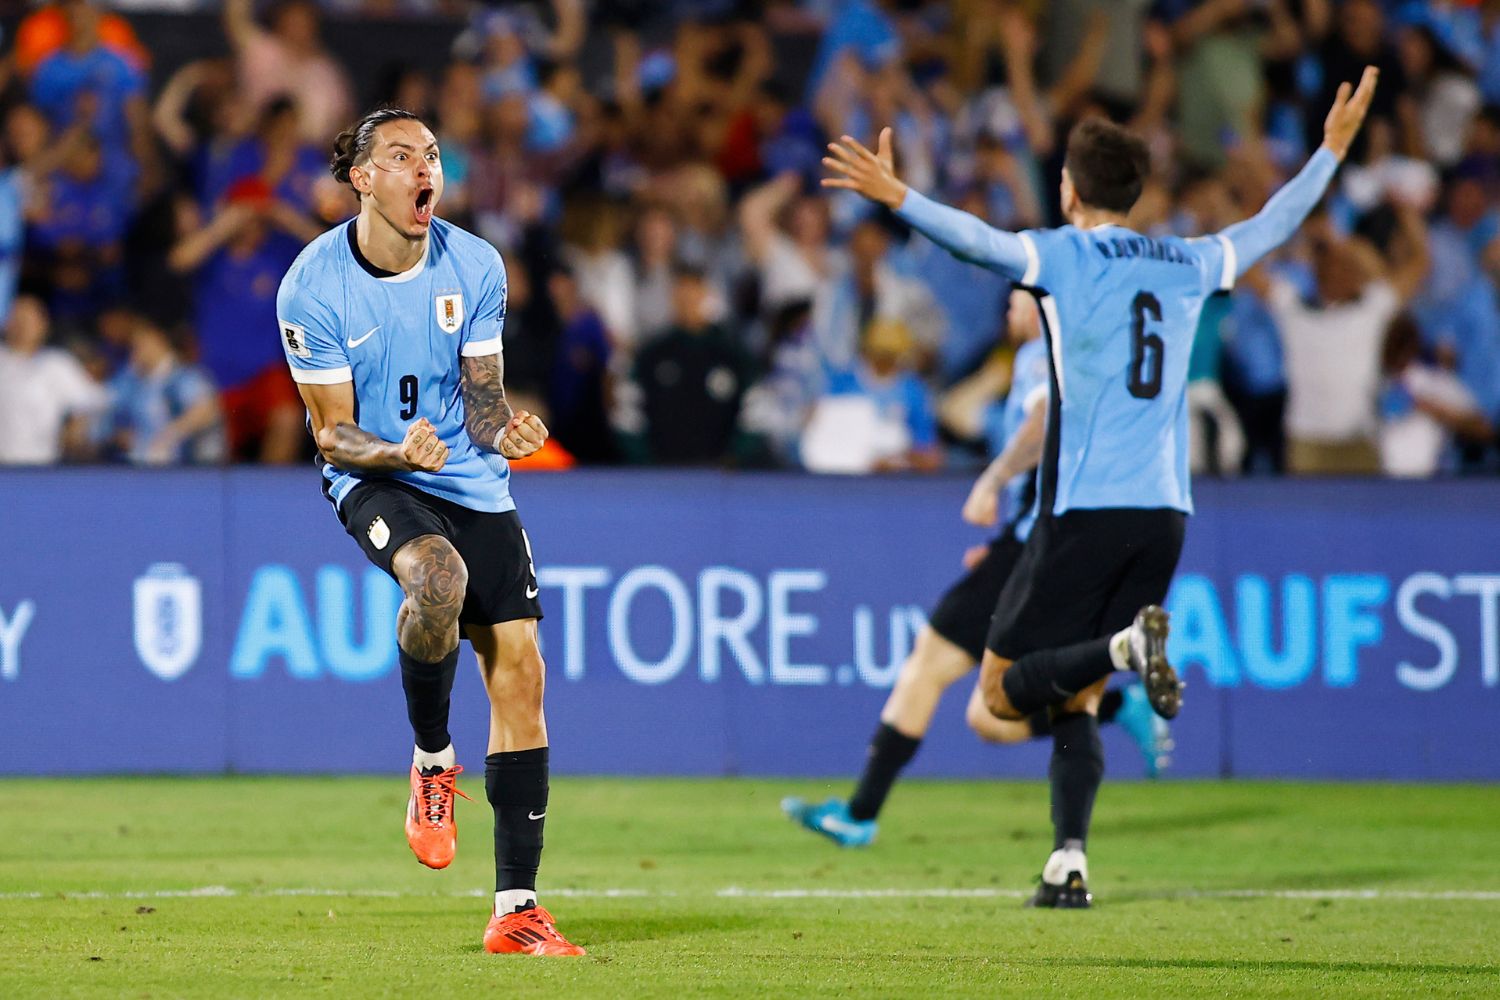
423	206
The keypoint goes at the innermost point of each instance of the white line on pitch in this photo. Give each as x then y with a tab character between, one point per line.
736	892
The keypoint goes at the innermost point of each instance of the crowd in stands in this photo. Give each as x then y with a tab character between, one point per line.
681	291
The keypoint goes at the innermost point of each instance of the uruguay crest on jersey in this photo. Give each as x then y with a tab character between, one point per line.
450	311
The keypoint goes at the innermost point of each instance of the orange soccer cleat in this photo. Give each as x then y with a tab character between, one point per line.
529	932
430	829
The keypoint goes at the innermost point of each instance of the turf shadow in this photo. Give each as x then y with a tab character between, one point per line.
1276	965
1175	821
656	928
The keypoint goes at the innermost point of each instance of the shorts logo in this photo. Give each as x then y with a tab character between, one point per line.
450	312
380	533
296	340
531	591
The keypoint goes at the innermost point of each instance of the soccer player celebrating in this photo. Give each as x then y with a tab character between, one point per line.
952	643
1119	312
392	326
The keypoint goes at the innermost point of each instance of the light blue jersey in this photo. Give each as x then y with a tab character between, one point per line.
1028	379
11	232
399	339
1119	313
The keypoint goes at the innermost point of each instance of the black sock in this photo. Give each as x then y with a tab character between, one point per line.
1052	676
1040	722
1109	705
427	687
1076	771
516	785
889	753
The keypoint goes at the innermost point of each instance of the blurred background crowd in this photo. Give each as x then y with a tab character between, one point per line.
681	291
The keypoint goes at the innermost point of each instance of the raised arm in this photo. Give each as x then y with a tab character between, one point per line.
1278	220
343	443
1408	268
239	22
961	234
492	424
758	210
170	113
189	253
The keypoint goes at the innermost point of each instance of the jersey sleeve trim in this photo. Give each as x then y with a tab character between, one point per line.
1231	263
481	348
1036	397
322	376
1033	261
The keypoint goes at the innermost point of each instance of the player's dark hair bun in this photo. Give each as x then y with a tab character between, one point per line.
353	144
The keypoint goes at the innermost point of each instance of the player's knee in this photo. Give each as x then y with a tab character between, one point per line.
435	577
986	726
934	662
1000	707
992	690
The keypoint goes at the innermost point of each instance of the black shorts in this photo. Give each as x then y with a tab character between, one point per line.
382	515
963	613
1085	574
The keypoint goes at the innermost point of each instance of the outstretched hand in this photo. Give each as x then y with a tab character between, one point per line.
1348	113
871	174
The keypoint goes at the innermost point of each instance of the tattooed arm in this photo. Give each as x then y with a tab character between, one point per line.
343	443
491	423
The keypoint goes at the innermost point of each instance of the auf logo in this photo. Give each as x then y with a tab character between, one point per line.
168	620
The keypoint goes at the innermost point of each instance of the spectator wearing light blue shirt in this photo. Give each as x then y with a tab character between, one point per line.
162	411
11	231
896	428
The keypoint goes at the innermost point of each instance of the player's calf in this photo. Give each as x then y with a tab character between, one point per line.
516	777
435	580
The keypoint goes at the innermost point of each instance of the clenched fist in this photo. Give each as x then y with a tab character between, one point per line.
422	450
522	436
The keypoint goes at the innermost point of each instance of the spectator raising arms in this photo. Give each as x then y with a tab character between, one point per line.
237	261
1333	346
289	60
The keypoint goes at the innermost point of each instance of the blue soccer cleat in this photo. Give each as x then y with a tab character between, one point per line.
1149	731
832	820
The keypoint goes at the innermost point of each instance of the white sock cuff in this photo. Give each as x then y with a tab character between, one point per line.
507	900
444	758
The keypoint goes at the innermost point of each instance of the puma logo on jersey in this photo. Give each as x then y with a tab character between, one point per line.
355	342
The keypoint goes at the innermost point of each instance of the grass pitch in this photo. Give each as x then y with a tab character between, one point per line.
305	886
